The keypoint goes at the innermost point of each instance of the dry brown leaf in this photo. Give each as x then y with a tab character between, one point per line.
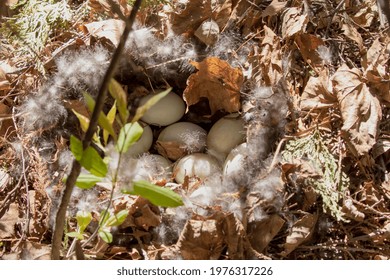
270	59
293	22
208	32
382	146
110	29
35	251
261	233
201	240
274	8
4	177
234	236
317	93
100	248
147	218
218	11
365	15
171	150
8	222
381	257
170	253
377	57
371	195
351	32
77	105
117	250
6	123
240	8
142	213
308	46
4	83
188	19
101	6
217	81
301	232
221	12
297	173
375	64
134	253
360	110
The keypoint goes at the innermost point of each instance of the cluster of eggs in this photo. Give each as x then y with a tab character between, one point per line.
195	152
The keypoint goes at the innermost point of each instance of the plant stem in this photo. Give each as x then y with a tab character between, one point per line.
76	168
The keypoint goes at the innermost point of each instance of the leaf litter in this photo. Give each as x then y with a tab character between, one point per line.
311	83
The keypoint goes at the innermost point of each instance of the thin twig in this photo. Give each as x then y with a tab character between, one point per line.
24	176
371	209
338	7
28	205
76	168
275	158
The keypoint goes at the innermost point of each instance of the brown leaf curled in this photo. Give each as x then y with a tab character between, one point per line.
217	81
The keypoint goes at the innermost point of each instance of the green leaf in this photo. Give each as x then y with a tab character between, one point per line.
111	117
120	96
87	181
83	219
77	235
128	135
84	121
106	236
142	110
76	147
104	216
117	219
157	195
92	161
103	120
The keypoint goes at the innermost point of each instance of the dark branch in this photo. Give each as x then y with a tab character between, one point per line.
76	168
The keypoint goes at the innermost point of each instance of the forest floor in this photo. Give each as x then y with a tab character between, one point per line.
308	79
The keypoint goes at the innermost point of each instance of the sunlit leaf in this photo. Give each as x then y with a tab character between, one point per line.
92	161
149	104
83	219
89	158
76	147
103	120
75	234
84	121
87	181
106	236
128	135
157	195
104	216
111	117
120	96
117	219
